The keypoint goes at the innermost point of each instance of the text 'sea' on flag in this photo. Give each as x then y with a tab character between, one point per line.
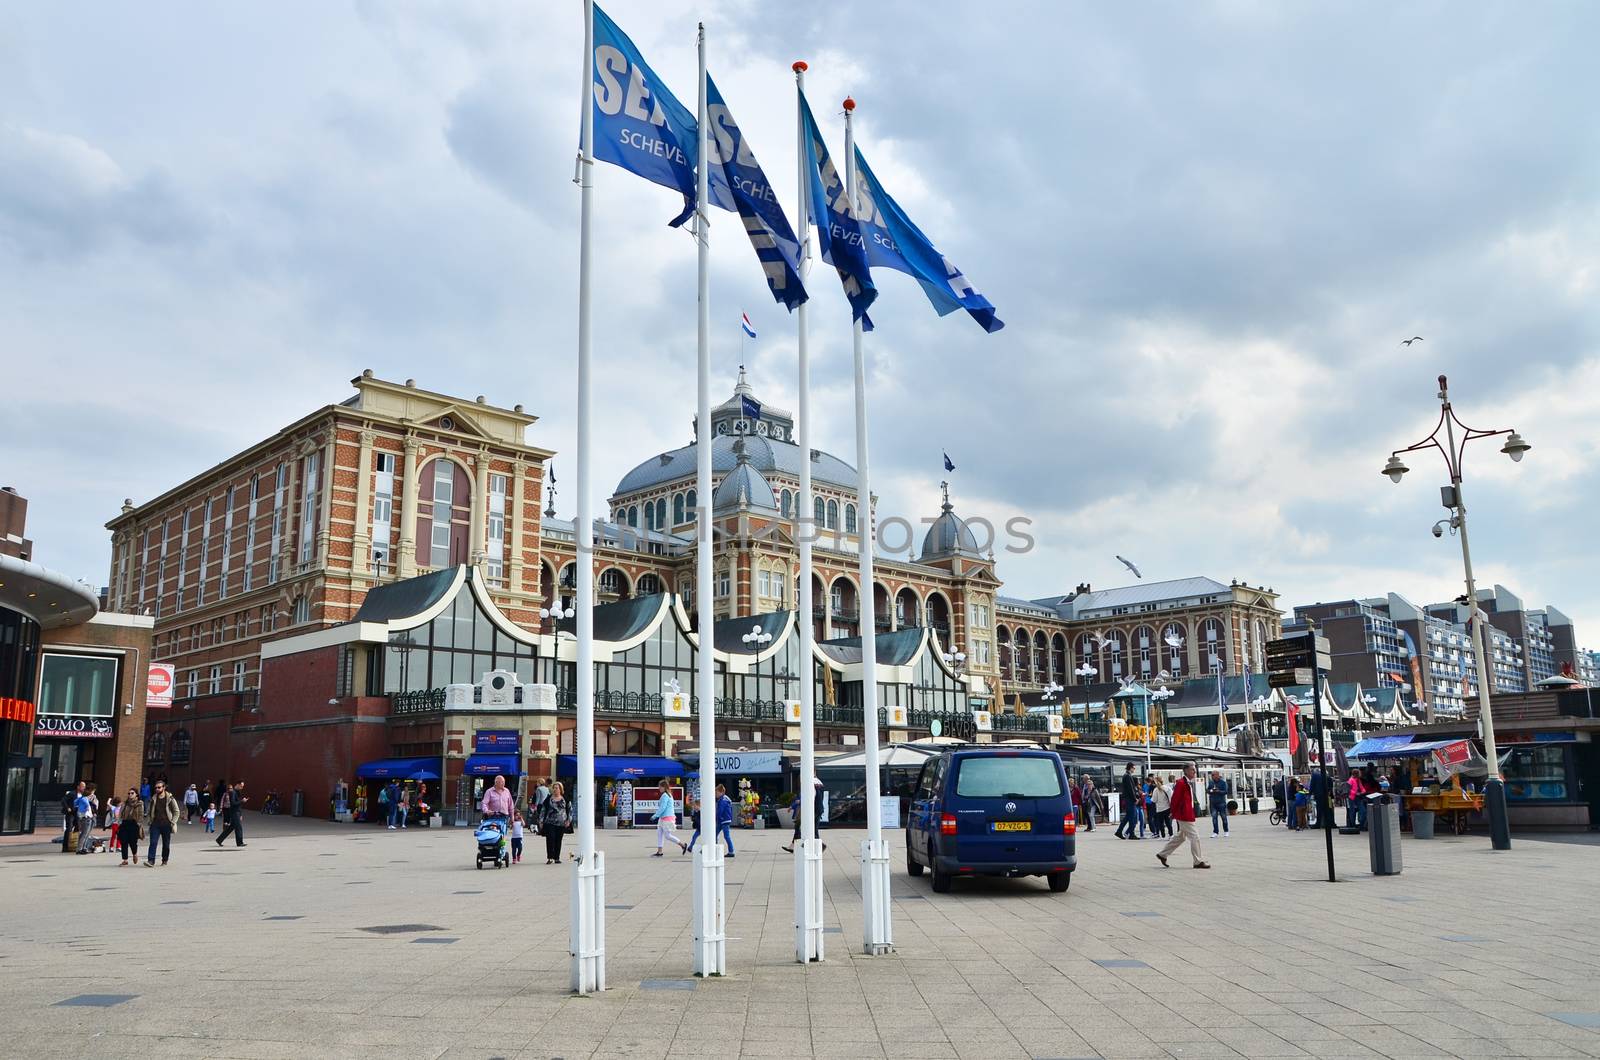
893	242
838	234
640	126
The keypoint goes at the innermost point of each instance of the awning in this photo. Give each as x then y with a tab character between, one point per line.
632	767
1396	747
398	769
494	765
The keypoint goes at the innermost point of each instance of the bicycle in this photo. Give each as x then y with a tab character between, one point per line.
1277	816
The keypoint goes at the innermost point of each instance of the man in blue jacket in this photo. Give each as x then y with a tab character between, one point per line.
724	821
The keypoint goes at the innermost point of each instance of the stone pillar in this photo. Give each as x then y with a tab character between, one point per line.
517	500
361	554
477	533
408	509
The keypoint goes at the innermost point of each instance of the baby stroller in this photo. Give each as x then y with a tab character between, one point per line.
493	845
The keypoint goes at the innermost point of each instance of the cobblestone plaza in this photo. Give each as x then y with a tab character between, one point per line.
318	940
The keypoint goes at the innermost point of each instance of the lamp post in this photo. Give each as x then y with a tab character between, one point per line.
756	640
1160	695
1453	449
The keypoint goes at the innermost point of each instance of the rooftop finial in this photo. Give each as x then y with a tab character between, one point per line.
944	487
742	386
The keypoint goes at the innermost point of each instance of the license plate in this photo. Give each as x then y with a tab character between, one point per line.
1012	826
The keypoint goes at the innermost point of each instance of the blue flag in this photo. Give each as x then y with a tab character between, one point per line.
738	176
638	123
838	234
749	406
893	242
948	464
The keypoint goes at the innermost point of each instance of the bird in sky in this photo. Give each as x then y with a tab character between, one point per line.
1414	338
1129	564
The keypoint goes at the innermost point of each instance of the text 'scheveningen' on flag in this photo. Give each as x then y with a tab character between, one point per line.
839	236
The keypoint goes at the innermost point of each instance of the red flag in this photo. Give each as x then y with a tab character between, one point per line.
1294	729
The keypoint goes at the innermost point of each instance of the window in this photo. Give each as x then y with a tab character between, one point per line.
1023	776
833	515
193	683
345	679
214	685
266	619
981	649
724	582
495	554
83	686
849	518
1536	773
238	676
1213	649
1172	648
443	498
821	511
382	512
280	503
178	751
144	572
611	581
250	533
309	496
205	552
302	610
677	509
227	544
155	748
183	558
788	503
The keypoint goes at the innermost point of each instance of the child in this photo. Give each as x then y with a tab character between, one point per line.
516	839
113	818
211	818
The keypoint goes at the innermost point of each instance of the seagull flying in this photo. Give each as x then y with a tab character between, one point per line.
1129	564
1414	338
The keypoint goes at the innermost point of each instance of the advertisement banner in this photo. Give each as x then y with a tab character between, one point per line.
158	686
16	710
490	741
71	727
749	763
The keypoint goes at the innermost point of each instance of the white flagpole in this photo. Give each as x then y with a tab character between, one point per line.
710	946
878	932
587	940
808	852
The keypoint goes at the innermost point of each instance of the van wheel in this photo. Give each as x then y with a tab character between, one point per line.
913	866
1060	881
941	881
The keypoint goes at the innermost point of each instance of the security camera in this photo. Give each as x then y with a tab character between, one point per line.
1438	528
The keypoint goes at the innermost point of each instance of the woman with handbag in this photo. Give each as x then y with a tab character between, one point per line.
552	818
130	825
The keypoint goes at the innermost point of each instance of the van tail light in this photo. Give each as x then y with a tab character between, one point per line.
1069	824
947	824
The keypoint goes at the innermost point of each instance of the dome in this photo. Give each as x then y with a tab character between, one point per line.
949	536
744	485
764	455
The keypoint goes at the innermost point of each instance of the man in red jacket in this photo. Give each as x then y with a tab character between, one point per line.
1183	814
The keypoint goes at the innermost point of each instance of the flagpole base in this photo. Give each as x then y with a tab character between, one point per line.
808	901
710	944
878	933
587	941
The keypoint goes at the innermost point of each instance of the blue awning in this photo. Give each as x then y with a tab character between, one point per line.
632	767
398	769
1397	747
492	765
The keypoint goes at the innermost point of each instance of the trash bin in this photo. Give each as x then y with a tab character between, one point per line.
297	803
1422	824
1255	804
1383	817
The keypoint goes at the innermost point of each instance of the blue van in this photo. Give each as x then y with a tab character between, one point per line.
992	812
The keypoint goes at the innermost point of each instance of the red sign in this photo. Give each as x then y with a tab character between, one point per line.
16	710
158	687
1452	755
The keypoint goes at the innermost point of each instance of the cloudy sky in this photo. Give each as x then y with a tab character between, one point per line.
1207	227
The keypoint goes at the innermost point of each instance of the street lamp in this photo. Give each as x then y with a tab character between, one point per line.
755	640
1453	449
956	660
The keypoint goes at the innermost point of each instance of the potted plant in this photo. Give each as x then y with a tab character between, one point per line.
785	813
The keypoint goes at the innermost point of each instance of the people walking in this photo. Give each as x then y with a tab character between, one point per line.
1087	798
390	798
541	792
113	817
1217	792
817	802
232	806
1352	798
1129	795
1161	798
402	807
130	826
1183	806
724	821
210	817
552	818
162	817
666	820
516	839
191	803
69	815
498	801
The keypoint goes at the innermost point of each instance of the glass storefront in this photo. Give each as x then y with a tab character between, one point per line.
1539	773
19	662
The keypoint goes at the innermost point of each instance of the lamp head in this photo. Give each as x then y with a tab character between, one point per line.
1395	468
1515	447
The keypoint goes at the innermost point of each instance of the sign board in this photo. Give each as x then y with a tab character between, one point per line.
71	727
16	710
1289	678
1452	756
158	686
491	741
1299	640
644	805
749	762
624	795
889	810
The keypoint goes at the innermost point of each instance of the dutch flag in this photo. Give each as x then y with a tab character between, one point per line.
744	322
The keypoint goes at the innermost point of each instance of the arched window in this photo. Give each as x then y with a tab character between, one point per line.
1088	659
1003	636
833	515
613	582
690	505
677	509
1173	648
822	512
1145	651
649	584
155	748
633	515
1041	657
1022	661
661	513
1114	653
1259	648
1213	648
849	518
649	515
179	750
788	503
444	514
1058	659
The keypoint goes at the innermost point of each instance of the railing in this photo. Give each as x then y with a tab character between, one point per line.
831	715
426	701
1025	723
921	719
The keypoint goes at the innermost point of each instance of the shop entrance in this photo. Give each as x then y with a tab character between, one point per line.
62	763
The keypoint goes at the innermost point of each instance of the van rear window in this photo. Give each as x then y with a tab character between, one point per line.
990	778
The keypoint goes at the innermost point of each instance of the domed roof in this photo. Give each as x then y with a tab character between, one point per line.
949	536
765	456
744	485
